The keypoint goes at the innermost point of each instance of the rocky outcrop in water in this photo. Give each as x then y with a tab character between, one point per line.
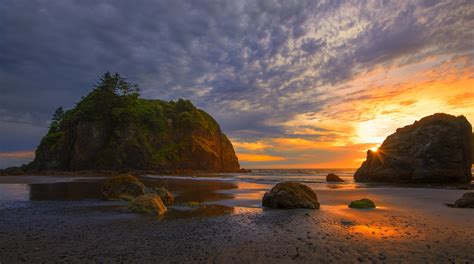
331	177
290	195
113	129
435	149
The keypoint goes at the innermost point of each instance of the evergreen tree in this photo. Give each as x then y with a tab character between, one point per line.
117	85
57	118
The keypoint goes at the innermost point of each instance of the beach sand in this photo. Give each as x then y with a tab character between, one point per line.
409	225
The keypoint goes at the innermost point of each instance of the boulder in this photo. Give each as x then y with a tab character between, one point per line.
435	149
331	177
122	187
148	203
466	201
362	204
164	194
289	195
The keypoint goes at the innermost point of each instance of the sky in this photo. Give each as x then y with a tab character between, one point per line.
294	84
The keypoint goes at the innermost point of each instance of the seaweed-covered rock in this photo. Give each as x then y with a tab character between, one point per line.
165	195
466	201
331	177
122	187
435	149
112	129
362	204
289	195
148	203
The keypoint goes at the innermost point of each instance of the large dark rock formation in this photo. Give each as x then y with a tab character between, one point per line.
435	149
113	129
472	144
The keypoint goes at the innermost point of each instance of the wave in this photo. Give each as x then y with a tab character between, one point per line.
317	176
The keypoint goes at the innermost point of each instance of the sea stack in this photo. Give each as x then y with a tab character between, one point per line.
113	129
435	149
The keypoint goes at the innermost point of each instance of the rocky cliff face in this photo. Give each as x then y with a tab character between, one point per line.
435	149
110	131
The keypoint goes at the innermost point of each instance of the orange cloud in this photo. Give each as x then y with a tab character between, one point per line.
258	157
253	146
365	110
17	155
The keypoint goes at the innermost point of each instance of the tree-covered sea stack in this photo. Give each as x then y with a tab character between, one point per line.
113	128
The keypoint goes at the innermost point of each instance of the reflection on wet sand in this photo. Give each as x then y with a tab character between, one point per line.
212	198
76	190
378	231
246	194
191	190
379	223
200	211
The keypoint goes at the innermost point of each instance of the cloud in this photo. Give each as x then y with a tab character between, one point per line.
251	146
253	65
258	158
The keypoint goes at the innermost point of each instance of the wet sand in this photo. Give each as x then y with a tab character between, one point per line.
409	225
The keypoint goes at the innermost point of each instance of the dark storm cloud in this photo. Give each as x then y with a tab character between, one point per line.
251	64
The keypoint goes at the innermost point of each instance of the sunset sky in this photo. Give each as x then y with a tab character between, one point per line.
294	84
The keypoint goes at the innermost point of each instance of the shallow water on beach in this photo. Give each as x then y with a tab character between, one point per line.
233	189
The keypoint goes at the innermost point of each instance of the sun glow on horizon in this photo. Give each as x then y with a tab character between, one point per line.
382	100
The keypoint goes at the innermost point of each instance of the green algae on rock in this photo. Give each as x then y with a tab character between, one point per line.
362	204
113	129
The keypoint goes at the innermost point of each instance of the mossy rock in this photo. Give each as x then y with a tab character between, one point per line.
148	204
362	204
122	187
164	194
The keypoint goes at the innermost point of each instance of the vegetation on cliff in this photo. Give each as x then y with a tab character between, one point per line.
113	128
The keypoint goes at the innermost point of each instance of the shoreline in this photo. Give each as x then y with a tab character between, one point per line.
409	225
206	176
